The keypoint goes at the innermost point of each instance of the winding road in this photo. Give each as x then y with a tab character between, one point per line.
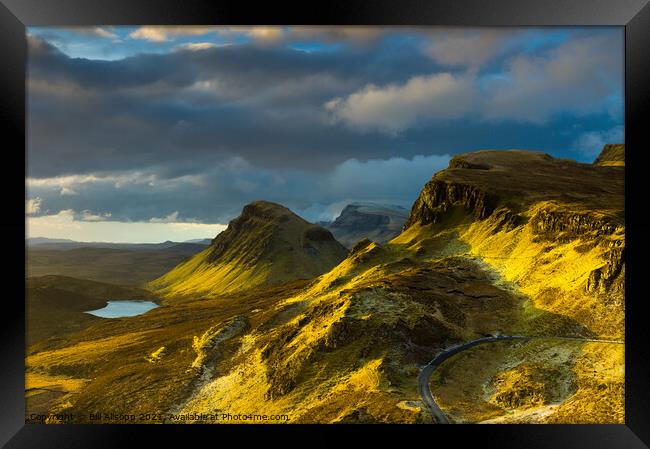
427	371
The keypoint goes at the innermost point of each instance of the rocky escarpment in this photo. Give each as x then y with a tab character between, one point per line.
609	279
377	222
593	231
439	196
557	223
555	227
485	181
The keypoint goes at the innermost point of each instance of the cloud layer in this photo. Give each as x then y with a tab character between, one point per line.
66	224
171	125
394	108
218	194
579	77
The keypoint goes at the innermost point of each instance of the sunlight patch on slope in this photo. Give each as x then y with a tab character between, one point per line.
553	274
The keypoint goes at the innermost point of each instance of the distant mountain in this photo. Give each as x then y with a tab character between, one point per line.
187	248
377	222
266	244
34	241
205	242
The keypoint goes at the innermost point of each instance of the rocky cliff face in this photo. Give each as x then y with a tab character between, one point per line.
555	227
439	196
376	222
556	223
485	181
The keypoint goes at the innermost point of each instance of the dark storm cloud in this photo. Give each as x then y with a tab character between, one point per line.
197	132
261	104
218	193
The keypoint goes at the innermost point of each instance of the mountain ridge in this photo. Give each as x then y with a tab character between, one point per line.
359	220
531	215
500	242
187	247
266	244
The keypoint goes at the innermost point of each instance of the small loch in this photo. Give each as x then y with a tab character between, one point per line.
123	308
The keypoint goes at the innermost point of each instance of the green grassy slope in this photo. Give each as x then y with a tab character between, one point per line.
268	244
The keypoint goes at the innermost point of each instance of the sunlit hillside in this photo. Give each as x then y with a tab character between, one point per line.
275	318
267	244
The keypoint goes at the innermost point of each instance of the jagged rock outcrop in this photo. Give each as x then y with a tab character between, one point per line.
485	181
207	345
438	197
555	223
377	222
554	226
608	278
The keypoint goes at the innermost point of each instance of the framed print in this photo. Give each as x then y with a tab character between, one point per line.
421	216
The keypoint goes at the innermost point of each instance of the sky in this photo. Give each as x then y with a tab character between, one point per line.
147	134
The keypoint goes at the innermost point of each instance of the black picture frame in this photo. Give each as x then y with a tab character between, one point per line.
634	15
